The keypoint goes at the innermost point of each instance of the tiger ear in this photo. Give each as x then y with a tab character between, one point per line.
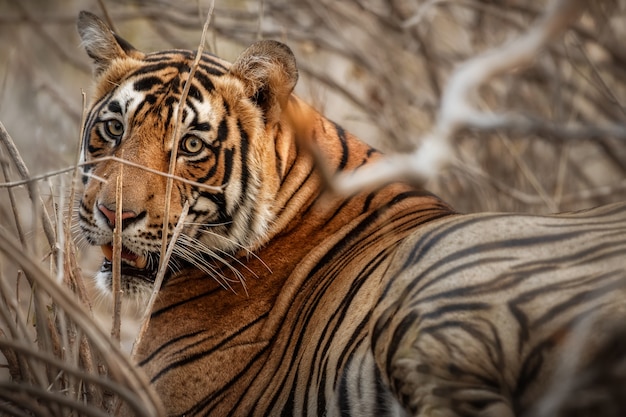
101	43
269	73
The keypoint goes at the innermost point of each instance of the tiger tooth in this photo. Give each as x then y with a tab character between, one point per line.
141	262
107	250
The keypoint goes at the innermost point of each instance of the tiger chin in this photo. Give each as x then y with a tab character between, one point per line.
386	302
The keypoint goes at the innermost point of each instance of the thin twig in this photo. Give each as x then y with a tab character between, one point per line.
116	287
145	320
16	212
29	351
33	191
148	404
36	178
105	13
51	398
457	112
176	137
73	275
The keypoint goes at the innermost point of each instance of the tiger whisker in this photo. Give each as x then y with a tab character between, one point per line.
237	244
228	255
188	241
194	259
152	171
208	224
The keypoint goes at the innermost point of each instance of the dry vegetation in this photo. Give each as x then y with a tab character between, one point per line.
379	67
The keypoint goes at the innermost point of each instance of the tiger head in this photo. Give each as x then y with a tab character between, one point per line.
223	139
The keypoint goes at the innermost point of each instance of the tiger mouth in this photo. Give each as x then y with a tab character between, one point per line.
132	265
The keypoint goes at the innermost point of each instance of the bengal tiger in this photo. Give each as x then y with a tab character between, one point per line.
284	299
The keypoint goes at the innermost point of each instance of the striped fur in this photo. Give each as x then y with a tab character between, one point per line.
386	302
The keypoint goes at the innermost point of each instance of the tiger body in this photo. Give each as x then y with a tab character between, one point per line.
386	302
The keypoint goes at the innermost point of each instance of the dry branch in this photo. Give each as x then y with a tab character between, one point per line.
50	361
166	250
176	137
457	111
33	191
116	284
35	178
144	402
145	320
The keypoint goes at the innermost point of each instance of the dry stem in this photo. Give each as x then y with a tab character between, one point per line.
176	137
33	191
457	112
145	403
34	178
145	320
116	287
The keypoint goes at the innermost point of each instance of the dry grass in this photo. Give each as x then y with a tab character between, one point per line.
60	363
378	67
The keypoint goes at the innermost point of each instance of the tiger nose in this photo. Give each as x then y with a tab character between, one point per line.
110	216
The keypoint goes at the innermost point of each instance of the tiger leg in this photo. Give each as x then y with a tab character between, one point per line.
449	369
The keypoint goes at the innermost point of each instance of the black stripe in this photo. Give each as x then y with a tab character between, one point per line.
245	173
355	340
383	395
202	127
195	93
115	107
224	389
344	395
497	283
294	195
146	83
478	335
372	151
204	81
453	308
166	345
228	164
422	248
599	290
304	316
214	69
90	121
342	310
398	334
173	306
148	100
159	66
193	358
168	117
368	202
289	408
222	131
168	54
341	134
92	149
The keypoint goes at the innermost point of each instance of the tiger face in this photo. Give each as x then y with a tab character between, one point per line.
222	140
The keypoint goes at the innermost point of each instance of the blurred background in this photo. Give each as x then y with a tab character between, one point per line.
377	67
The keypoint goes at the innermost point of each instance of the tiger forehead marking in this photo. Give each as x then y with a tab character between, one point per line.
157	93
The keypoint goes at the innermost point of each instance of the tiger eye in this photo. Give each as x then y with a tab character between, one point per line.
114	128
192	145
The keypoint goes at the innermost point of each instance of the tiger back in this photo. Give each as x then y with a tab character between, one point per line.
283	299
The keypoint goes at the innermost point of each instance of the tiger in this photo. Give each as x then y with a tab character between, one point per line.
283	298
